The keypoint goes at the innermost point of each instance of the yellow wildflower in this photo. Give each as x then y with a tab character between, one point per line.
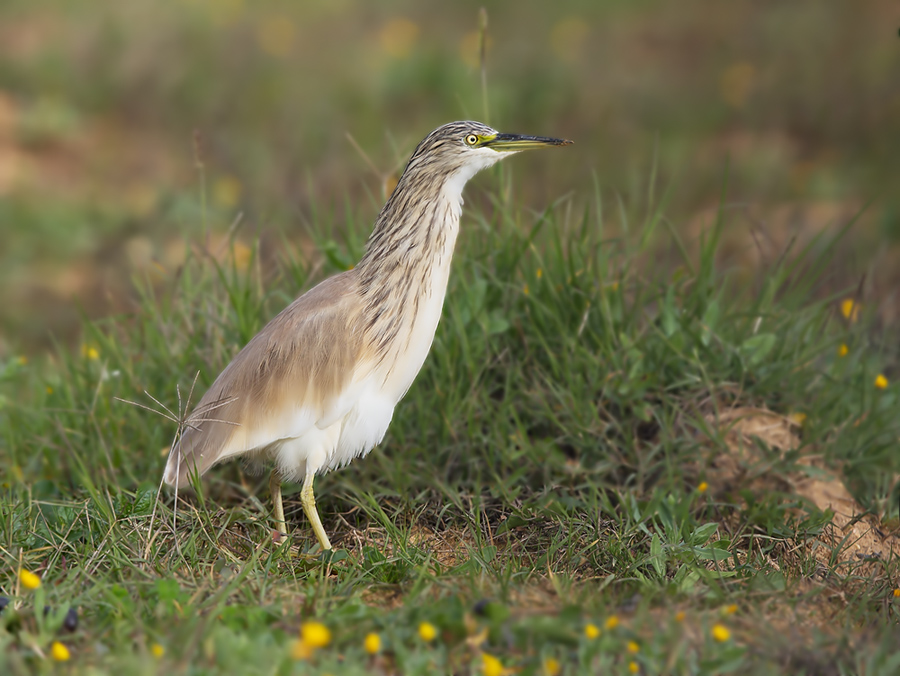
90	352
49	390
157	650
372	643
551	666
843	350
59	652
702	487
315	634
612	622
881	382
525	290
720	633
29	580
850	309
591	631
427	632
633	647
492	666
897	592
634	667
797	418
540	273
730	609
23	360
679	616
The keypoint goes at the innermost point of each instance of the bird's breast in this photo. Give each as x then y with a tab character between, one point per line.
419	322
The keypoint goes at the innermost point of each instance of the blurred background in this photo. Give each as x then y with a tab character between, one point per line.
128	127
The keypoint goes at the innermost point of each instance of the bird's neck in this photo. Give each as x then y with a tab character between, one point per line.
416	229
404	272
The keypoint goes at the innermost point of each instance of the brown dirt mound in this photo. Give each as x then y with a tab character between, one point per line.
756	439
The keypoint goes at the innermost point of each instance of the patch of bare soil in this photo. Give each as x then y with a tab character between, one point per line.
854	535
448	547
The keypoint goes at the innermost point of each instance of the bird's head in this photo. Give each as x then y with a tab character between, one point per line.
460	149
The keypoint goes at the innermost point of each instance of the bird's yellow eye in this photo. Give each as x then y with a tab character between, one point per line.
471	139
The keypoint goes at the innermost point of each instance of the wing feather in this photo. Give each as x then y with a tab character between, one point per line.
290	375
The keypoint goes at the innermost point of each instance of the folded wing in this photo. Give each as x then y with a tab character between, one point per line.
290	375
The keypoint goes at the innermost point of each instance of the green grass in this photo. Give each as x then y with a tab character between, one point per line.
544	473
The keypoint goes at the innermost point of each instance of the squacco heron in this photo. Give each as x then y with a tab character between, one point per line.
317	386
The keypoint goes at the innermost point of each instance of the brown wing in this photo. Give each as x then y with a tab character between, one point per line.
293	369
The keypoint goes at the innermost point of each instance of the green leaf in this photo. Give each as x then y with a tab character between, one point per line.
756	348
657	557
669	314
712	554
496	323
710	320
703	533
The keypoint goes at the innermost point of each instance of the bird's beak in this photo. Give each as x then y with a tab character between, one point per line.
507	143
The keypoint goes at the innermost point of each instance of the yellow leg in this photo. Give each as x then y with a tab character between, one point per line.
308	500
277	504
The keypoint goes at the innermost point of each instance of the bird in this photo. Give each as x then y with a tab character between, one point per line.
317	386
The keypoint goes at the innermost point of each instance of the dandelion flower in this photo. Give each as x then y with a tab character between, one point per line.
702	487
633	647
492	666
157	650
634	667
59	652
897	592
843	350
372	643
680	615
29	580
551	666
427	632
720	633
315	634
90	352
612	622
730	609
591	631
881	382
